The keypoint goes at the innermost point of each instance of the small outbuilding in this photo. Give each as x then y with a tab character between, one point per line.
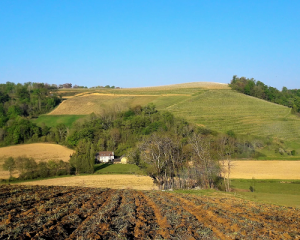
105	156
124	160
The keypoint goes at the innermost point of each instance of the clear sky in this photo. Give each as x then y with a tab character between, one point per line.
149	43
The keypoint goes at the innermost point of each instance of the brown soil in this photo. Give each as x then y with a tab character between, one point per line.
52	212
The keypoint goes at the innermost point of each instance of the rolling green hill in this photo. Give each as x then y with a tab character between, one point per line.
214	106
224	110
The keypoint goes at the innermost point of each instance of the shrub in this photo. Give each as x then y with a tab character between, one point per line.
281	151
231	133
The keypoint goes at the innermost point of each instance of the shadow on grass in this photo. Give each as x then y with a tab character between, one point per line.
100	166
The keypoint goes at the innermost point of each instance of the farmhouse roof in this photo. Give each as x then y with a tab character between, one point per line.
106	153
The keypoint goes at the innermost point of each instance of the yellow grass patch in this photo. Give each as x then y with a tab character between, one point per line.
116	181
38	151
99	103
266	169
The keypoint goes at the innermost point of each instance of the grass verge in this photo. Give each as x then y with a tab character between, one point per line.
278	192
109	168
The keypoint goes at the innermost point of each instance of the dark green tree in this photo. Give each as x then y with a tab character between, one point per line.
9	165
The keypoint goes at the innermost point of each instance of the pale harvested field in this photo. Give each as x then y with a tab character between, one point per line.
202	85
99	103
101	100
38	151
266	169
116	181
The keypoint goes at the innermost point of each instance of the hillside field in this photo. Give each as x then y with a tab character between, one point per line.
213	106
38	151
89	213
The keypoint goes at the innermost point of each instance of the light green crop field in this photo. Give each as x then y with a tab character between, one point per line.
53	120
224	110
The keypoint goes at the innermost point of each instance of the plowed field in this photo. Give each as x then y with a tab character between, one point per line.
40	212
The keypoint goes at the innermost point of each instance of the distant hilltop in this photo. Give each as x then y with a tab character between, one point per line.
204	85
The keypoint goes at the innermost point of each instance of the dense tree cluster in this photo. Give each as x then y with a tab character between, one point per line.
19	103
120	131
174	161
286	97
28	100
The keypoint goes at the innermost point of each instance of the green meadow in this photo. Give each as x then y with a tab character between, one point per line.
218	109
279	192
53	120
108	168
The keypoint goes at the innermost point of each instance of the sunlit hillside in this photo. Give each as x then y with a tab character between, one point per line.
212	105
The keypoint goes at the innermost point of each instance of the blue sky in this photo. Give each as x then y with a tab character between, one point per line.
149	43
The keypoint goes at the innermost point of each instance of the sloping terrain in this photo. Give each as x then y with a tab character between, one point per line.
99	103
224	110
211	105
39	212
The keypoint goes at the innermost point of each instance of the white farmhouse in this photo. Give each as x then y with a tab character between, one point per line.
105	156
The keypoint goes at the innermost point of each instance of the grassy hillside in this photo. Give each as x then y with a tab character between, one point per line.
212	105
224	110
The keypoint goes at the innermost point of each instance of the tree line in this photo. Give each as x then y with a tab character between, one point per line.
29	168
285	97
